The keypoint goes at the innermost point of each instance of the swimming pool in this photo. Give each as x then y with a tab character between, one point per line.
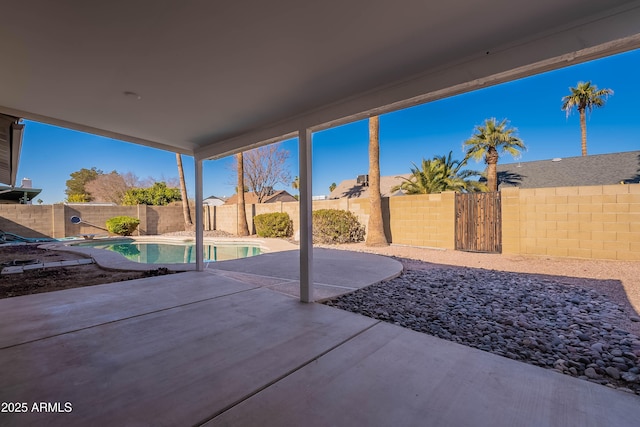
171	253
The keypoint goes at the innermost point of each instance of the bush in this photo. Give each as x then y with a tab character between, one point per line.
156	195
122	225
273	225
332	226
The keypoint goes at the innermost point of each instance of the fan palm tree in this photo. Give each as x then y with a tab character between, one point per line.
375	228
295	184
583	97
488	142
439	174
243	227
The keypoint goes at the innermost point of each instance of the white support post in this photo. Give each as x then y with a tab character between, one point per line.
306	231
199	222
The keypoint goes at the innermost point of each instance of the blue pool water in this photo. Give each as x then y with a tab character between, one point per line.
168	253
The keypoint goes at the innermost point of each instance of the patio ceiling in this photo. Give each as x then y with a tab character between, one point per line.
207	78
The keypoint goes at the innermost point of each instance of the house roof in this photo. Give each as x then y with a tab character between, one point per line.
10	146
599	169
216	197
15	195
251	198
212	78
350	188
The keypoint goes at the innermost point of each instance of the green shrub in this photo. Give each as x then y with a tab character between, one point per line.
273	225
122	225
156	195
332	226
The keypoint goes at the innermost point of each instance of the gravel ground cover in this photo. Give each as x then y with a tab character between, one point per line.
543	320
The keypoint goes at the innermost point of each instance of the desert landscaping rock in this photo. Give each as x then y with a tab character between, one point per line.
571	329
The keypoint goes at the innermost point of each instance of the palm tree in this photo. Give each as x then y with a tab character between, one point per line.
489	141
439	174
186	211
583	97
243	227
332	187
295	184
375	228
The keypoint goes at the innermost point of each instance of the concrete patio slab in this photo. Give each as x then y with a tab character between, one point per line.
393	376
226	347
338	268
180	366
32	317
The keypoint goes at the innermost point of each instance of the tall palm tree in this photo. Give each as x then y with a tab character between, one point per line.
186	211
583	97
375	228
243	227
439	174
489	141
295	184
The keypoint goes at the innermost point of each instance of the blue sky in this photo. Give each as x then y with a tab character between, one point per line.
532	105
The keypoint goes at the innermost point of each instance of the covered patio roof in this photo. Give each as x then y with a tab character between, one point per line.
209	78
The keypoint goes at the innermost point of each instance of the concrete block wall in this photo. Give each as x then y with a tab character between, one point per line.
96	216
27	220
54	220
600	222
162	219
224	218
423	220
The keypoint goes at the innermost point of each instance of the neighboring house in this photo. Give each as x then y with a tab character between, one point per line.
251	198
359	187
214	201
15	195
599	169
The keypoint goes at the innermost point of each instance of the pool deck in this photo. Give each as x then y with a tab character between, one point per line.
225	348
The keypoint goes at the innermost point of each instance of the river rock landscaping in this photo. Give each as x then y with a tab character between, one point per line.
535	319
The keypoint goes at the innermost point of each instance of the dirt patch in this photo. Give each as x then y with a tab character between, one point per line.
56	278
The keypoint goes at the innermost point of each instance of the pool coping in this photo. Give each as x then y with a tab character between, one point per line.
114	261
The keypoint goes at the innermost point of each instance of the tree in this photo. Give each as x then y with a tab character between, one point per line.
489	141
157	195
76	184
186	211
332	187
295	184
243	227
375	228
110	187
264	167
439	174
583	97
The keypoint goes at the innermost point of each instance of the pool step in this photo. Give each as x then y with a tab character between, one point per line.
14	269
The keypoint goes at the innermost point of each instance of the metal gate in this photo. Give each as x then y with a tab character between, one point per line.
478	222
